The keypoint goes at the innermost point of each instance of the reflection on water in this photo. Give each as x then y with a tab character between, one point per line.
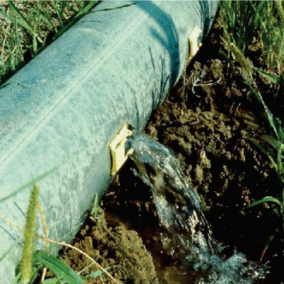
189	238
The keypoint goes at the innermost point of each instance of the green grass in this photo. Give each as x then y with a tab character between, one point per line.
247	22
277	201
29	26
33	262
260	22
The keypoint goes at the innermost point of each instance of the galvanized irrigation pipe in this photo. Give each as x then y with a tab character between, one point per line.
60	112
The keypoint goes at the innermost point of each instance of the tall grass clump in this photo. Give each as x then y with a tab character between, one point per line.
29	26
239	23
260	22
277	201
247	22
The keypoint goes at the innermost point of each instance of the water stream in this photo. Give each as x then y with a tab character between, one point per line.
178	205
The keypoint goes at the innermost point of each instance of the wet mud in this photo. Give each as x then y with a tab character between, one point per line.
118	250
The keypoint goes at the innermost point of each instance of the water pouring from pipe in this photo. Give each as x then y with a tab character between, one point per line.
189	239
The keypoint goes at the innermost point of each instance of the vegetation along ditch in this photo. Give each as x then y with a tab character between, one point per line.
223	124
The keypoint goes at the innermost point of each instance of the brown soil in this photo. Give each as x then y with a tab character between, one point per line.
117	249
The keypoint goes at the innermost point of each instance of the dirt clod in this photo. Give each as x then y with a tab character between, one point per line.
120	251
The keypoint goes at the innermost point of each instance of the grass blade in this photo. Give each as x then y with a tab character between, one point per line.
268	115
95	208
18	43
23	21
54	3
81	14
35	274
266	200
267	244
60	269
271	140
47	19
86	9
9	17
275	79
94	274
63	5
16	279
258	17
255	142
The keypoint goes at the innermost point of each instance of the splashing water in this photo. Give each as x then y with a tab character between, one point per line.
179	210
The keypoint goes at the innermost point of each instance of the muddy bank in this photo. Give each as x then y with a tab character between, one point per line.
118	250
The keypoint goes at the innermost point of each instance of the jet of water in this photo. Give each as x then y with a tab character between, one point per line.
179	208
178	205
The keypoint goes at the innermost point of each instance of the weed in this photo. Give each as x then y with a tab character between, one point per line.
243	21
29	26
26	261
33	262
278	201
95	207
239	22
